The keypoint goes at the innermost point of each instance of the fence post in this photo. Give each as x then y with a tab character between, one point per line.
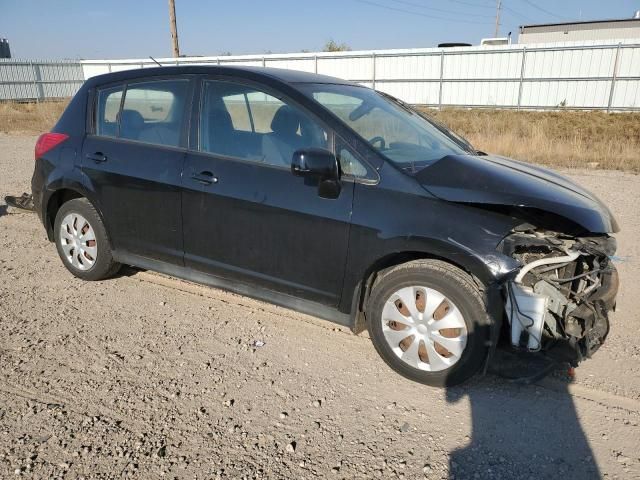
613	78
315	64
441	77
38	82
264	62
522	67
373	60
35	85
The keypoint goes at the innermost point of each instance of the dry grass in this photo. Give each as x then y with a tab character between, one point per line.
29	118
560	139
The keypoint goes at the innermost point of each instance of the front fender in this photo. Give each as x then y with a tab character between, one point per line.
392	226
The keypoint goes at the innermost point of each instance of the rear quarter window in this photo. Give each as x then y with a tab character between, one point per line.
108	106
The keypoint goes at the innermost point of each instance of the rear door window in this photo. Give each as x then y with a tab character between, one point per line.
154	111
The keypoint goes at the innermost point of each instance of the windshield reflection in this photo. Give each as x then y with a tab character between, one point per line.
389	125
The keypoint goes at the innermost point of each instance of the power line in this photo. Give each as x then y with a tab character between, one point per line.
466	14
529	2
516	13
505	8
402	10
469	4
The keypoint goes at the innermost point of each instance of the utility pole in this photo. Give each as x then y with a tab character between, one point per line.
174	29
498	8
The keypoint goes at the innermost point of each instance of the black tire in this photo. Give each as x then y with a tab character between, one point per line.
104	266
454	284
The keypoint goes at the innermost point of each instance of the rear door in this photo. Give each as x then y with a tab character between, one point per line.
134	159
246	216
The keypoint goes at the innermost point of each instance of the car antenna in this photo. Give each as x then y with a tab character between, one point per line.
157	62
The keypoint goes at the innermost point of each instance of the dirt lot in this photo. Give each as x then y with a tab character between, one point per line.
145	376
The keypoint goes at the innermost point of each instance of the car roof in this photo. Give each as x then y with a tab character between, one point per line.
254	73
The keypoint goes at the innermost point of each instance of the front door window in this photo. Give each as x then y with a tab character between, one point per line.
242	122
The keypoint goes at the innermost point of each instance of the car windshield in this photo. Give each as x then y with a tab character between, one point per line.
393	128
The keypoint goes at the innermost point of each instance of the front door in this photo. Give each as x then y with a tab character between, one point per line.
246	217
134	160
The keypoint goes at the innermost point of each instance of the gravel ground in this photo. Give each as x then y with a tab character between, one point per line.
145	376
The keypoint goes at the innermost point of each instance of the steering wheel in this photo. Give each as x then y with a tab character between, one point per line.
379	140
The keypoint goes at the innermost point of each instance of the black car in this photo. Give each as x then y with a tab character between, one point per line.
332	199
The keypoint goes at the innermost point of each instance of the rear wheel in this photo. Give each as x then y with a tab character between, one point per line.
82	243
428	321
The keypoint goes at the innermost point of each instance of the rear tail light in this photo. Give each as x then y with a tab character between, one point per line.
47	141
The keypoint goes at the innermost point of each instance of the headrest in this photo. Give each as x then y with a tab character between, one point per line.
131	119
286	121
220	119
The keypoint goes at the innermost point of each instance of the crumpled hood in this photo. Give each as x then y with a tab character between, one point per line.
494	180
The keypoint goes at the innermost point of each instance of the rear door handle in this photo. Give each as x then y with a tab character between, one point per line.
97	157
205	178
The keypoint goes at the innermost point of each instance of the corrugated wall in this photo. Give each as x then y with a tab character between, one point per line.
39	80
581	75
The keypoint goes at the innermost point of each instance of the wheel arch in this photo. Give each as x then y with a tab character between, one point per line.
363	289
58	198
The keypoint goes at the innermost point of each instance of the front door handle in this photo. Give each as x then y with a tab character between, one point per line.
97	157
205	178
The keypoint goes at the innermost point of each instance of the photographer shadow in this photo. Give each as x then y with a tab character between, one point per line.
520	431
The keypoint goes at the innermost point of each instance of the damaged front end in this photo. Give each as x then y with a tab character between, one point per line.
560	298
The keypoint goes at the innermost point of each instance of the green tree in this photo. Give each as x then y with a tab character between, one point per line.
332	46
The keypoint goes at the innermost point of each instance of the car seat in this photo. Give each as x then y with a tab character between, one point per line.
279	145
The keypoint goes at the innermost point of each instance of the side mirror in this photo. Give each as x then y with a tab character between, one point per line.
315	162
318	165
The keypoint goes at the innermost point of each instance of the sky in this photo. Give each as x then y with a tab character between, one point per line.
92	29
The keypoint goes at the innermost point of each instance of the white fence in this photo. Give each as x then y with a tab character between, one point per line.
579	75
39	79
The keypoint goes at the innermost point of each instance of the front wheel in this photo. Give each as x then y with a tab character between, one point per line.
82	242
427	319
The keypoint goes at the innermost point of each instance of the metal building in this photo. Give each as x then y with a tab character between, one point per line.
581	31
5	52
